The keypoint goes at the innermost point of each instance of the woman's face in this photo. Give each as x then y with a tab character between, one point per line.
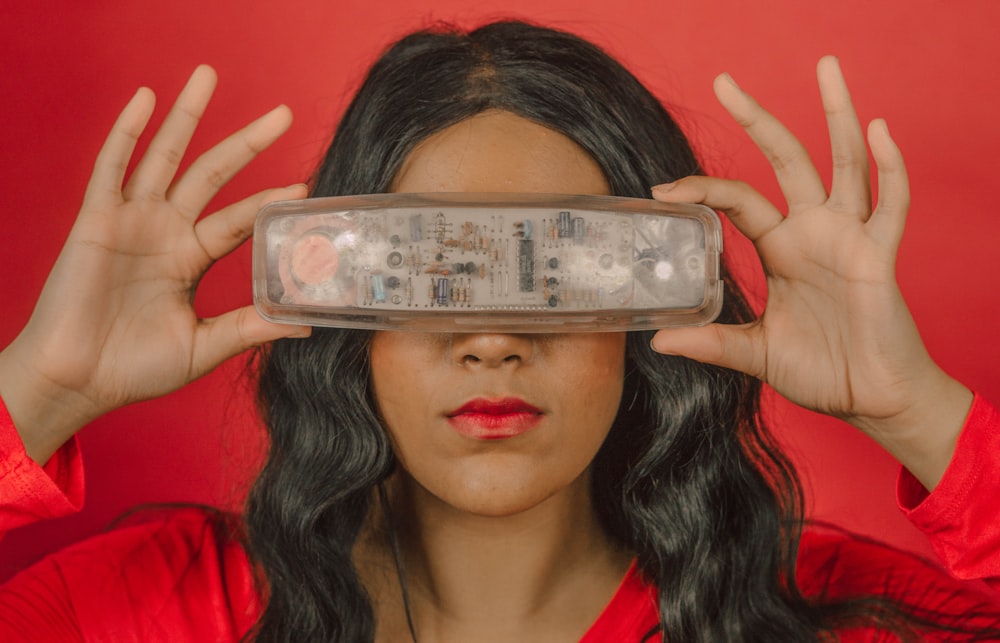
493	423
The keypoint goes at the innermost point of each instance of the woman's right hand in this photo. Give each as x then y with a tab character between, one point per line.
114	323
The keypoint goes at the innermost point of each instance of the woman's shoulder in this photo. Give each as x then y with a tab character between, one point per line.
162	574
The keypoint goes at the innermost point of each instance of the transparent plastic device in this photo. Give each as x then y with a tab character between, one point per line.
456	262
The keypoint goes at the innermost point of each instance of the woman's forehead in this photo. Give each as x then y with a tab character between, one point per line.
497	151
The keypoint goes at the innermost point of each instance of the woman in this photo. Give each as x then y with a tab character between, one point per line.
373	518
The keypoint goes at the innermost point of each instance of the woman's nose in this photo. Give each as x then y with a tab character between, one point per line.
491	349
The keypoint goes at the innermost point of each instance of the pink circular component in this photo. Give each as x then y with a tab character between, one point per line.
314	259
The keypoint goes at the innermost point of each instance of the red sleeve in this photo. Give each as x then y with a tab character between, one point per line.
962	515
28	492
834	565
183	578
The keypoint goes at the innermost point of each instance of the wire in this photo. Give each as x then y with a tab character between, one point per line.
397	556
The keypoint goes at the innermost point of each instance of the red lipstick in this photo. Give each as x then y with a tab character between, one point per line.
494	419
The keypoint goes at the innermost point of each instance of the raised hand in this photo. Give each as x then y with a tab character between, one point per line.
835	335
114	323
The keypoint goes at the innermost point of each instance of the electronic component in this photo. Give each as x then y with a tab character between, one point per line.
463	262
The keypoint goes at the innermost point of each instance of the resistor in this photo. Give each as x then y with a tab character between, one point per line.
369	293
408	291
431	291
440	227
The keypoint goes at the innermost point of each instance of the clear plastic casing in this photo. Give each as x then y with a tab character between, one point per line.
455	262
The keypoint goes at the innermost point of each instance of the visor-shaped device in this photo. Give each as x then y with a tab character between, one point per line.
465	262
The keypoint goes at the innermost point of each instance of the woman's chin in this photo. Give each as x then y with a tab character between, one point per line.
496	492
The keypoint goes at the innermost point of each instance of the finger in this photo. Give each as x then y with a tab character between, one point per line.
734	347
798	178
851	190
105	186
216	167
222	232
219	338
889	217
750	212
158	166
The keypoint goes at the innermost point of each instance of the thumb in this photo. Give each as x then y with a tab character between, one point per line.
731	346
219	338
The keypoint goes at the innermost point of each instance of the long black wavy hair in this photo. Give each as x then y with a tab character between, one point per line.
688	478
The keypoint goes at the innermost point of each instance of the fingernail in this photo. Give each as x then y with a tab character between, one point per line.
665	187
297	186
725	76
659	350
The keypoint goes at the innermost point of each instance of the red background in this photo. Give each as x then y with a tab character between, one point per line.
928	66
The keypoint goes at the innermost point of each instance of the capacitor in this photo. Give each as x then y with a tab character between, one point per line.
442	292
565	226
394	260
416	228
470	267
579	231
392	282
553	263
378	289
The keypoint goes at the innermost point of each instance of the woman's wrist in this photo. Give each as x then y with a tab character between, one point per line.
45	415
923	437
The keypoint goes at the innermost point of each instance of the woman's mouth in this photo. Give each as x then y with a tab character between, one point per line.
494	419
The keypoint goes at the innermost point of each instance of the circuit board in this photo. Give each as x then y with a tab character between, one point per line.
456	258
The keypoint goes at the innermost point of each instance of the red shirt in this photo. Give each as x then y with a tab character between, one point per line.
176	579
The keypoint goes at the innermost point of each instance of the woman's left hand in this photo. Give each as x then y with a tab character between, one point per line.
835	335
